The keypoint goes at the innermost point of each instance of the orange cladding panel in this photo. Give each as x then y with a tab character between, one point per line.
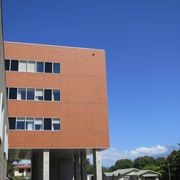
83	106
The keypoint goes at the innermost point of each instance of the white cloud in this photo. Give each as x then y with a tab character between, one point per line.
111	155
154	150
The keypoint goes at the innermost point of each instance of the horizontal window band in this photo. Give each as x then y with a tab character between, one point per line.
34	124
35	94
32	66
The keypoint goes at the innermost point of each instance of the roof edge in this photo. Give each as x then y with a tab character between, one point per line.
51	45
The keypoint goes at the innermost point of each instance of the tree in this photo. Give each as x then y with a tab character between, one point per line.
160	161
152	167
89	167
112	168
171	167
174	164
142	162
164	166
123	164
10	168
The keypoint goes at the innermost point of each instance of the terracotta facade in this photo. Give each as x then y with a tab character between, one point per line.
82	108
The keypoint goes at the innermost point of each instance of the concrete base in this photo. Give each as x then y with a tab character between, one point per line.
46	165
59	165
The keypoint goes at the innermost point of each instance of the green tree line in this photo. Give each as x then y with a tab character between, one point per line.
166	166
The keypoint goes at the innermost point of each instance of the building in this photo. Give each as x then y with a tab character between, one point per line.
131	174
90	176
57	105
22	170
3	111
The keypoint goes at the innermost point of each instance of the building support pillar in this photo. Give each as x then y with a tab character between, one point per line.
76	166
83	165
97	165
46	163
37	166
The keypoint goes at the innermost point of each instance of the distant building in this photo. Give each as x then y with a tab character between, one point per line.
22	170
132	174
57	104
90	176
3	111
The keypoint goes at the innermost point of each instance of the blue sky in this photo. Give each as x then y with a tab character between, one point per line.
142	43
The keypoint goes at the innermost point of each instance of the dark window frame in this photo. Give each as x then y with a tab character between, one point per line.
23	121
47	96
12	96
59	95
7	66
48	67
12	125
14	65
54	68
56	124
39	62
27	95
47	125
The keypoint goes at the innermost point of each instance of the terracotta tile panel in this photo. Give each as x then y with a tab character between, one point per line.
83	105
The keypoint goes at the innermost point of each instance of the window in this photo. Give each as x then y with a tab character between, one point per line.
39	94
126	178
56	68
40	66
56	95
55	124
31	66
47	123
21	94
48	67
30	94
21	170
22	66
20	123
47	94
12	93
7	64
38	124
30	124
7	91
12	123
14	65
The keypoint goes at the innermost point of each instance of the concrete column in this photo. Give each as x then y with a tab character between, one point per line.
83	165
62	165
37	166
76	166
54	169
46	165
97	165
67	169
